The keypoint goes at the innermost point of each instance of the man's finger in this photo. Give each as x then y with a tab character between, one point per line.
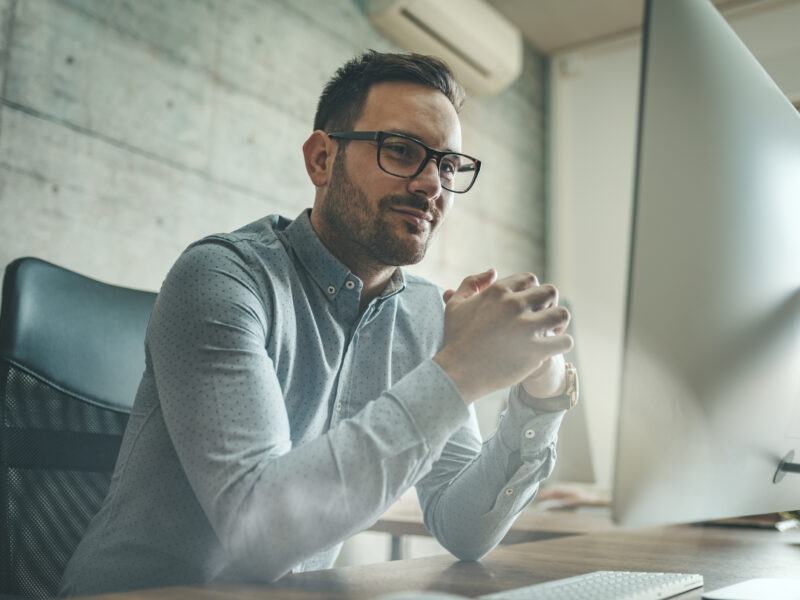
540	297
520	282
554	345
549	320
474	284
556	316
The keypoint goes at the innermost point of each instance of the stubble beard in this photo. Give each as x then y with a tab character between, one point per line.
352	220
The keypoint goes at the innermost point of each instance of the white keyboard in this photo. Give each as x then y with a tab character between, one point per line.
606	585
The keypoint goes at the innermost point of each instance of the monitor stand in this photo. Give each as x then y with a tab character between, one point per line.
786	466
759	589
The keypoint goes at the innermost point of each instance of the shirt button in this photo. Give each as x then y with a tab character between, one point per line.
529	433
331	289
509	491
350	284
338	406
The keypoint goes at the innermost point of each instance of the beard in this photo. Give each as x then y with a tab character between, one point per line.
356	223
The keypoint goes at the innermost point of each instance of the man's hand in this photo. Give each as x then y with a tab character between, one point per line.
499	333
549	380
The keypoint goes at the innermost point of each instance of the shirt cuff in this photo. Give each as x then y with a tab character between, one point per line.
433	402
522	429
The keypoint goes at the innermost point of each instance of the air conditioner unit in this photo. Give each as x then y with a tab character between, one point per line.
480	45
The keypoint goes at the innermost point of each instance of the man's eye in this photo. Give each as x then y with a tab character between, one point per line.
397	149
448	167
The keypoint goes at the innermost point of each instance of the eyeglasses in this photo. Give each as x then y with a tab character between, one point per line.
404	156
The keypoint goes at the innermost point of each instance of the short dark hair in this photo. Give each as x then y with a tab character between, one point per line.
344	95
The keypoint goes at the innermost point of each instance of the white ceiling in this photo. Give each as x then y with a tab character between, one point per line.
553	25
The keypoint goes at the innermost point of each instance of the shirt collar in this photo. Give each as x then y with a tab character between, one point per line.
395	285
325	269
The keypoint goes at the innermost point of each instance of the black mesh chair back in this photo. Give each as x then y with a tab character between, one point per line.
71	357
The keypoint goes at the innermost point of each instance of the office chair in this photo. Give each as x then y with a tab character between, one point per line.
71	356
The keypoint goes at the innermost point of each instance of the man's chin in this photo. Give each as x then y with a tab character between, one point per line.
400	255
400	244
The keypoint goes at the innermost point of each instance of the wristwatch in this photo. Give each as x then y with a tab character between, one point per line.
564	401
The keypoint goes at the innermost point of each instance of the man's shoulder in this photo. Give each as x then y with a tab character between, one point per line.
263	232
254	239
253	251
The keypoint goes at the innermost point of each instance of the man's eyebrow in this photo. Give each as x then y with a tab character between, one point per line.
416	137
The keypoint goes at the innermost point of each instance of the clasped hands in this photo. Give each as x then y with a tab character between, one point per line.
498	333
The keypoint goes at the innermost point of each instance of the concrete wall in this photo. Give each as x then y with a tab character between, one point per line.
128	129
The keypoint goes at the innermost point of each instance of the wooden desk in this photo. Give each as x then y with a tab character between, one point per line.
723	555
405	518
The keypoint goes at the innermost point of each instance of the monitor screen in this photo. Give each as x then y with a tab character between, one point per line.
710	389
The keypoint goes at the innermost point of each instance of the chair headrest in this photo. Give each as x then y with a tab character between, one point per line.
83	336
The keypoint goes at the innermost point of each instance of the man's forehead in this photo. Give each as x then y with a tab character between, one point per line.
413	109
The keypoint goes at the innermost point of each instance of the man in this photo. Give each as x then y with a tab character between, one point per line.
297	381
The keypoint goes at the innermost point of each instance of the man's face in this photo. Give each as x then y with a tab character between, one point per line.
383	218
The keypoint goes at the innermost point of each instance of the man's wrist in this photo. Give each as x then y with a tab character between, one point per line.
548	380
565	396
461	379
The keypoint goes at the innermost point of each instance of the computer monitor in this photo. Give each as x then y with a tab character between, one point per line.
710	389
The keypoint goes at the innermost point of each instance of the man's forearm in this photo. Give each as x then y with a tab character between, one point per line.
471	513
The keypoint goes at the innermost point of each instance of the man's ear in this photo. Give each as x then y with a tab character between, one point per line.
319	152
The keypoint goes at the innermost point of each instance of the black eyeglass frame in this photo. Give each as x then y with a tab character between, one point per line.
430	153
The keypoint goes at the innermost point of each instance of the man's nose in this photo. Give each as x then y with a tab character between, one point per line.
427	183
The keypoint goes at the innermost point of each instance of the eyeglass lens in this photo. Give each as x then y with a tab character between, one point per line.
403	157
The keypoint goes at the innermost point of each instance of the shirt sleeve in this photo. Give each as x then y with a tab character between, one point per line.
273	505
474	491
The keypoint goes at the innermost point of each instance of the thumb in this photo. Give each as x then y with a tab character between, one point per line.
472	285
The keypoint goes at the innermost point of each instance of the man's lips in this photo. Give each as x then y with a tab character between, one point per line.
414	216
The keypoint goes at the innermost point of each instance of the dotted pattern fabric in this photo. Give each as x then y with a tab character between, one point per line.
273	422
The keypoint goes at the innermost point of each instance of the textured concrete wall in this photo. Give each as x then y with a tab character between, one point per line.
129	129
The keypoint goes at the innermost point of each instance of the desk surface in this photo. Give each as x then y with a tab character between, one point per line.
722	555
405	518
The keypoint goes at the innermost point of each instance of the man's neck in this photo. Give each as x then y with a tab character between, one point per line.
374	276
374	283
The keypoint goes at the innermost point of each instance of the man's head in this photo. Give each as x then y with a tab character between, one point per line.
344	95
365	215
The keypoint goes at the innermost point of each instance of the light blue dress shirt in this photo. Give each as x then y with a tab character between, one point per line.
273	421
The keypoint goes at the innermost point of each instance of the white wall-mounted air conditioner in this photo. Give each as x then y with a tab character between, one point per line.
481	46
